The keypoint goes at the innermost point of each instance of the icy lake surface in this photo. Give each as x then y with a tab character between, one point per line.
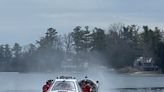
32	82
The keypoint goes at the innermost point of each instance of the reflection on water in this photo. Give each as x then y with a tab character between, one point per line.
140	90
112	90
21	91
109	82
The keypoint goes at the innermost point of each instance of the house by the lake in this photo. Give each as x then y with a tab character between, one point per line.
145	64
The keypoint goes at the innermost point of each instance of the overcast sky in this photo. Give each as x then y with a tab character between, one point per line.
25	21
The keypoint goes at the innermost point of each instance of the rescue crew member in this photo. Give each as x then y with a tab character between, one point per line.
47	85
86	87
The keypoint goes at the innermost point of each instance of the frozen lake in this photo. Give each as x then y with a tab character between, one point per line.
32	82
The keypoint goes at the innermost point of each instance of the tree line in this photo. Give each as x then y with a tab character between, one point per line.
116	47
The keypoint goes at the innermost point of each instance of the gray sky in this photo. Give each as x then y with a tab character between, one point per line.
25	21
